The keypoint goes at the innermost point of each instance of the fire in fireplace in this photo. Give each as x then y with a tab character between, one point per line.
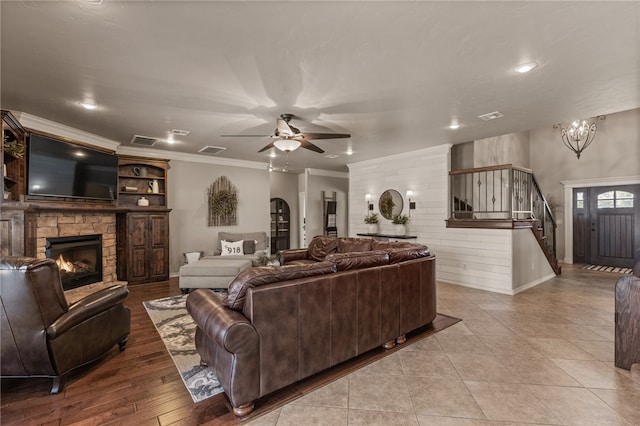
79	259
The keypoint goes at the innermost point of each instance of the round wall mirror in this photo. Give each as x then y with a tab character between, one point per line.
390	203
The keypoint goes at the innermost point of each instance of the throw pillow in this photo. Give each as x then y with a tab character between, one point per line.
232	248
320	246
249	246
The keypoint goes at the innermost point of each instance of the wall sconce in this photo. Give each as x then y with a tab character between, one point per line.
369	203
412	204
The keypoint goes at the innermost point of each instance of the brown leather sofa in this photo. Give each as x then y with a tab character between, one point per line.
338	299
41	335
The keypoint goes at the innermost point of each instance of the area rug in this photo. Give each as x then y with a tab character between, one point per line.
177	330
613	269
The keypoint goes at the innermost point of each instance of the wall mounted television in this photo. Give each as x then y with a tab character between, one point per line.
57	168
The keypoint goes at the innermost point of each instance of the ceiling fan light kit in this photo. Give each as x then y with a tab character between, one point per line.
287	145
289	138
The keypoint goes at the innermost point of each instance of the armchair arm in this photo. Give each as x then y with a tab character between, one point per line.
285	256
88	307
229	329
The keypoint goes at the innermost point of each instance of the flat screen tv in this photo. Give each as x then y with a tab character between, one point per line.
57	168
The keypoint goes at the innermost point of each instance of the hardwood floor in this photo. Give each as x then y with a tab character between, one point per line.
141	385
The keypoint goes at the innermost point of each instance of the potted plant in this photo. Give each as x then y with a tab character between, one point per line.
372	222
399	222
7	192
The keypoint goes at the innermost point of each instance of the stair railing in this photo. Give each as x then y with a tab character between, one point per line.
504	192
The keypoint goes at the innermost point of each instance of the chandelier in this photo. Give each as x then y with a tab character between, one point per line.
578	135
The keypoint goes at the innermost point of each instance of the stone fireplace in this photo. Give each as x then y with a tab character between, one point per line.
54	224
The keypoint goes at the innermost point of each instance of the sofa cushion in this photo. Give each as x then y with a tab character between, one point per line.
401	254
263	275
322	246
358	260
348	245
231	248
249	246
385	245
260	237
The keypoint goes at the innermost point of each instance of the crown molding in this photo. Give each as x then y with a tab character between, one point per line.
48	126
194	158
429	152
608	181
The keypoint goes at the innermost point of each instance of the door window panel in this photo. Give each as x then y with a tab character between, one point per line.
615	199
580	200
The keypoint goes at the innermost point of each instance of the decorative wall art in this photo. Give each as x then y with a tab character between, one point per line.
223	203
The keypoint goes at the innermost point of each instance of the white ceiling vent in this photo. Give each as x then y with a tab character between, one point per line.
491	115
143	140
179	132
212	150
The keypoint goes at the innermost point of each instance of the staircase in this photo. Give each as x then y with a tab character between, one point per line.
503	196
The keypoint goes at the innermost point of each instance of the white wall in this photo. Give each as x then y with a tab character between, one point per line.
188	184
512	148
318	181
615	152
285	186
479	258
530	266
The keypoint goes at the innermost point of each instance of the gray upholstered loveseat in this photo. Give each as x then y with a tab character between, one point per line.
217	271
340	298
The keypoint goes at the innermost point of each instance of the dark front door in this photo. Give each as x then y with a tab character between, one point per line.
607	225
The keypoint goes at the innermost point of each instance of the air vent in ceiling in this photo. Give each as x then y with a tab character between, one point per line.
179	132
212	150
491	115
143	140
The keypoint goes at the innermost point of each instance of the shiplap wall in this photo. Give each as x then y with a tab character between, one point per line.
478	258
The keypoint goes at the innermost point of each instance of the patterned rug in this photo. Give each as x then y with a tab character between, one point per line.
608	269
177	330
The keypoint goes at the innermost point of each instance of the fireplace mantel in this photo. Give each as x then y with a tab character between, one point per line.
77	207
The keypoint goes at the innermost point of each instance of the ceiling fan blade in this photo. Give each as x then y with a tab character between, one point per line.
284	129
245	136
267	147
326	135
308	145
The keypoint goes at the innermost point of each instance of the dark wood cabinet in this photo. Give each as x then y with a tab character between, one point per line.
280	225
13	158
143	246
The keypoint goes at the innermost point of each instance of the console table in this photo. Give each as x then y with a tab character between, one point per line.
389	237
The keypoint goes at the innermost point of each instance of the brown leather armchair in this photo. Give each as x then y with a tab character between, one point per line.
627	319
41	335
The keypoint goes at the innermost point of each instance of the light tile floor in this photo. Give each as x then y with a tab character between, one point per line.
544	356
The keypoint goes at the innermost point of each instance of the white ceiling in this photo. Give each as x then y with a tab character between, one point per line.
392	74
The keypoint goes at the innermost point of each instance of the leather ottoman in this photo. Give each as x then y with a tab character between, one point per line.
211	272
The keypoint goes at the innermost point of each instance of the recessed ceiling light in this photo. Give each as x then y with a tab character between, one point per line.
273	154
349	151
454	126
524	68
331	156
170	139
88	105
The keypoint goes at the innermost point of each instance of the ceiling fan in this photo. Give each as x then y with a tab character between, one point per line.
289	138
